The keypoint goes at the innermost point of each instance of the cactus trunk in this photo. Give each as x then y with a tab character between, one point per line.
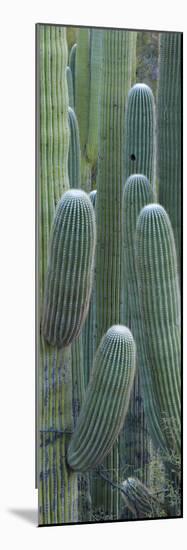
57	487
169	131
115	83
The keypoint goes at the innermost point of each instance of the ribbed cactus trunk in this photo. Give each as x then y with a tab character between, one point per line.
115	83
169	131
56	485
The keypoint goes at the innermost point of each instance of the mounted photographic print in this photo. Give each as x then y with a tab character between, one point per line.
109	227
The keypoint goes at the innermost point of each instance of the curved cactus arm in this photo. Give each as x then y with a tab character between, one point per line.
74	157
106	401
169	131
72	63
70	271
158	286
140	133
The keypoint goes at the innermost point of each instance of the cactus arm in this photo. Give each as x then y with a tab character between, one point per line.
74	157
159	297
70	272
70	87
72	63
140	132
106	401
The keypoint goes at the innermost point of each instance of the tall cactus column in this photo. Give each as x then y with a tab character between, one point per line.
159	299
169	123
57	486
115	83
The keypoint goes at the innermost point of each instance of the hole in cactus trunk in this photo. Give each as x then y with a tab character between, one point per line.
132	157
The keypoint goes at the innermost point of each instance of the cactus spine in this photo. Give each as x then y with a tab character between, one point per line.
140	136
74	157
70	270
106	401
169	130
115	83
158	286
57	487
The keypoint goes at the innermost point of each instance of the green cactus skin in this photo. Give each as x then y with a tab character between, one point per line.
82	101
135	440
72	64
70	272
96	36
106	401
140	135
158	286
82	86
115	83
89	329
140	500
169	131
74	157
57	488
70	87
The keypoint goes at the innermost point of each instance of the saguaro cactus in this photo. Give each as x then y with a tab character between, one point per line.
169	130
70	272
74	157
140	136
115	83
158	285
106	401
57	487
